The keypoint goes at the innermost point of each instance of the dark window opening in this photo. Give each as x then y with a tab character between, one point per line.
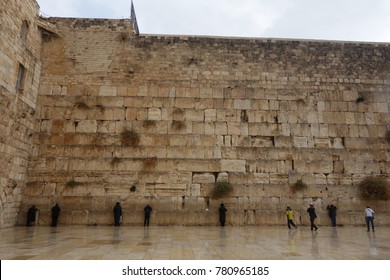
20	78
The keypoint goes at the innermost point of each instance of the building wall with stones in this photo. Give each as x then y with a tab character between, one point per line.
20	46
159	119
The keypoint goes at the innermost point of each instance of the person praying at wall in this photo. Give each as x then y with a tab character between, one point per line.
147	211
117	214
55	213
332	214
222	214
31	215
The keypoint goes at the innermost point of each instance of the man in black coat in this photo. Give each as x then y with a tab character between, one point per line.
31	215
117	214
332	214
312	213
222	214
147	211
55	213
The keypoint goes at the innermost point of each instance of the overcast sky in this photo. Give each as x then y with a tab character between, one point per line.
347	20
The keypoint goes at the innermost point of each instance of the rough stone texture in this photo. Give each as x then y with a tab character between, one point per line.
260	113
18	45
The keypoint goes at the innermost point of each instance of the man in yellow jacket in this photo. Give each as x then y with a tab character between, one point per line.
290	217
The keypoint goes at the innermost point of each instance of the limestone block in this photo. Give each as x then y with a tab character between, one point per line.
283	142
300	142
154	114
382	107
261	178
209	128
350	95
233	165
278	178
223	177
202	178
210	115
108	91
87	126
337	143
242	104
195	115
235	128
193	190
322	142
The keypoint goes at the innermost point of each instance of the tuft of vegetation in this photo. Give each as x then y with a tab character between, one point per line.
133	188
149	163
73	183
115	161
388	136
81	105
123	37
149	123
101	107
130	138
360	99
299	186
178	125
374	188
221	189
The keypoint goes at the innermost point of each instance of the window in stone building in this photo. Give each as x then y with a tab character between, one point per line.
24	31
20	78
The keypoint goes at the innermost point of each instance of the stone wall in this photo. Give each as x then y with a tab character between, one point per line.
20	46
159	119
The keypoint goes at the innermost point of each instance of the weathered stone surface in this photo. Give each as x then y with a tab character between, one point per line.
199	110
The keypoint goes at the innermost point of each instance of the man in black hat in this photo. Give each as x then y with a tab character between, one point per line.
312	213
117	214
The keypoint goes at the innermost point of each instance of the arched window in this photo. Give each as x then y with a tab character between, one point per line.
24	30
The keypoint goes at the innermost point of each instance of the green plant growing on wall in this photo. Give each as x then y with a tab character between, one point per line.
81	105
299	186
130	138
221	189
388	136
178	125
73	183
149	163
100	107
374	188
149	123
123	37
115	161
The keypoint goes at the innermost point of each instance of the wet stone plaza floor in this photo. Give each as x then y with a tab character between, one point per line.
198	243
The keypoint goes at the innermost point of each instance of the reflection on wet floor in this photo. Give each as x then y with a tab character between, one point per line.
182	243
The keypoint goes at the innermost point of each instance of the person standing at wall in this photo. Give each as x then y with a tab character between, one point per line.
55	213
31	215
369	213
312	213
332	213
147	211
222	214
290	217
117	214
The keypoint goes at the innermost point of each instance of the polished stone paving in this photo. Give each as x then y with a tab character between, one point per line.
199	243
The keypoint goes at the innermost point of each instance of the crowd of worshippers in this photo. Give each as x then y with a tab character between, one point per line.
118	215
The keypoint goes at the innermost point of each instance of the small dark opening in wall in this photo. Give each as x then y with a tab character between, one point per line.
20	77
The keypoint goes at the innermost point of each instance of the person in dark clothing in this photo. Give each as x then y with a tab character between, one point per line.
147	211
222	214
55	213
332	214
312	213
31	215
117	214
